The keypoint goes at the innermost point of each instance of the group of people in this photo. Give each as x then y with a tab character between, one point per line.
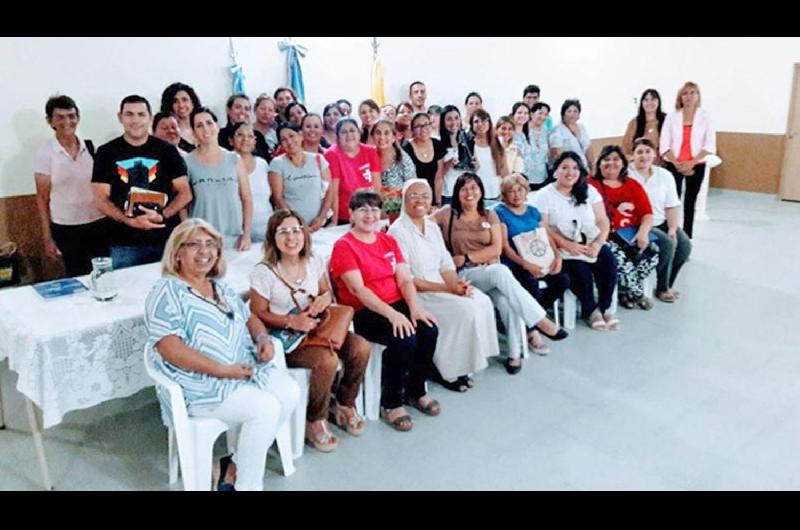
501	216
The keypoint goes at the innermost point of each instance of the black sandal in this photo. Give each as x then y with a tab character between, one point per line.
459	385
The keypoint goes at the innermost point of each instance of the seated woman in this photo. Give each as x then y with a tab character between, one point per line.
569	135
72	227
244	141
220	183
296	179
574	215
202	336
289	289
467	331
180	100
673	243
396	164
370	274
630	211
354	165
474	238
520	218
426	152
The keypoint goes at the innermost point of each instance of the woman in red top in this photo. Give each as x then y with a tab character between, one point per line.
369	273
354	165
631	217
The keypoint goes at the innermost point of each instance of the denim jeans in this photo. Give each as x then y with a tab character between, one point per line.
122	257
671	256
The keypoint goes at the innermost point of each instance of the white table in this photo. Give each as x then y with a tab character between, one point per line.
75	352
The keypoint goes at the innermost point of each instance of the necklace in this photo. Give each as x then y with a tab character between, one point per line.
298	282
217	301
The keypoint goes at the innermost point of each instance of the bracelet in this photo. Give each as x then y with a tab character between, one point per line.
286	324
261	336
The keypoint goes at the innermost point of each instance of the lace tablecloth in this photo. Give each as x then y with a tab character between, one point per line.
75	352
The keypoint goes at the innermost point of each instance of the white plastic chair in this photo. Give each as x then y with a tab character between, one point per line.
711	161
191	439
371	388
571	307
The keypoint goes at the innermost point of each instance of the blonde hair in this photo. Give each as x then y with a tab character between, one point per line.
180	235
687	84
507	183
262	98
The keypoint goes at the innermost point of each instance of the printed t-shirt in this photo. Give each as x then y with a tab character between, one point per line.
352	173
302	186
153	166
626	204
517	224
377	262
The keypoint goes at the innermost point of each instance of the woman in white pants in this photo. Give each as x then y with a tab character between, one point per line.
202	335
474	238
467	332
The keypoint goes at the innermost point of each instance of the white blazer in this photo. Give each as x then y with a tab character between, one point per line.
704	137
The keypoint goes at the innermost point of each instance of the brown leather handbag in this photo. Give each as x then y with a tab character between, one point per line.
333	323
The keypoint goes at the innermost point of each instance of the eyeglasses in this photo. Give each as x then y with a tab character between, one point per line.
422	126
245	136
366	209
196	245
289	230
419	196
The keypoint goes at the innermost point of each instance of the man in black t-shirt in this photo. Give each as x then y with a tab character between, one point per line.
144	161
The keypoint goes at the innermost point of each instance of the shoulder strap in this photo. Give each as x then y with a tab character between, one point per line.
450	231
292	290
89	147
319	164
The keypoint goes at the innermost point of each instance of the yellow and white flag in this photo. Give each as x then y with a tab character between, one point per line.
376	90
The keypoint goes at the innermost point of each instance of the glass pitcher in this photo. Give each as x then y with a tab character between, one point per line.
101	280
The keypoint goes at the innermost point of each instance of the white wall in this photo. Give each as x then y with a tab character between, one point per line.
745	82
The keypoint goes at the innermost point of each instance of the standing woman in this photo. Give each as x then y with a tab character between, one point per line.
73	228
402	121
283	96
539	138
220	183
574	215
369	112
457	160
345	108
296	179
330	115
467	330
472	102
313	141
265	121
629	209
288	276
295	113
434	111
388	112
521	117
238	110
396	164
569	135
180	100
244	140
353	165
426	153
474	237
505	135
686	138
370	274
673	243
647	123
491	158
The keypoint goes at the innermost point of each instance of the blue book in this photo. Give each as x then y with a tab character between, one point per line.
58	288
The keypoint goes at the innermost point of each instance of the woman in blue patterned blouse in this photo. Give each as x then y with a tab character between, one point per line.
202	335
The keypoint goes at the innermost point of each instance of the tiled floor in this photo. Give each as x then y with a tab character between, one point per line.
701	394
